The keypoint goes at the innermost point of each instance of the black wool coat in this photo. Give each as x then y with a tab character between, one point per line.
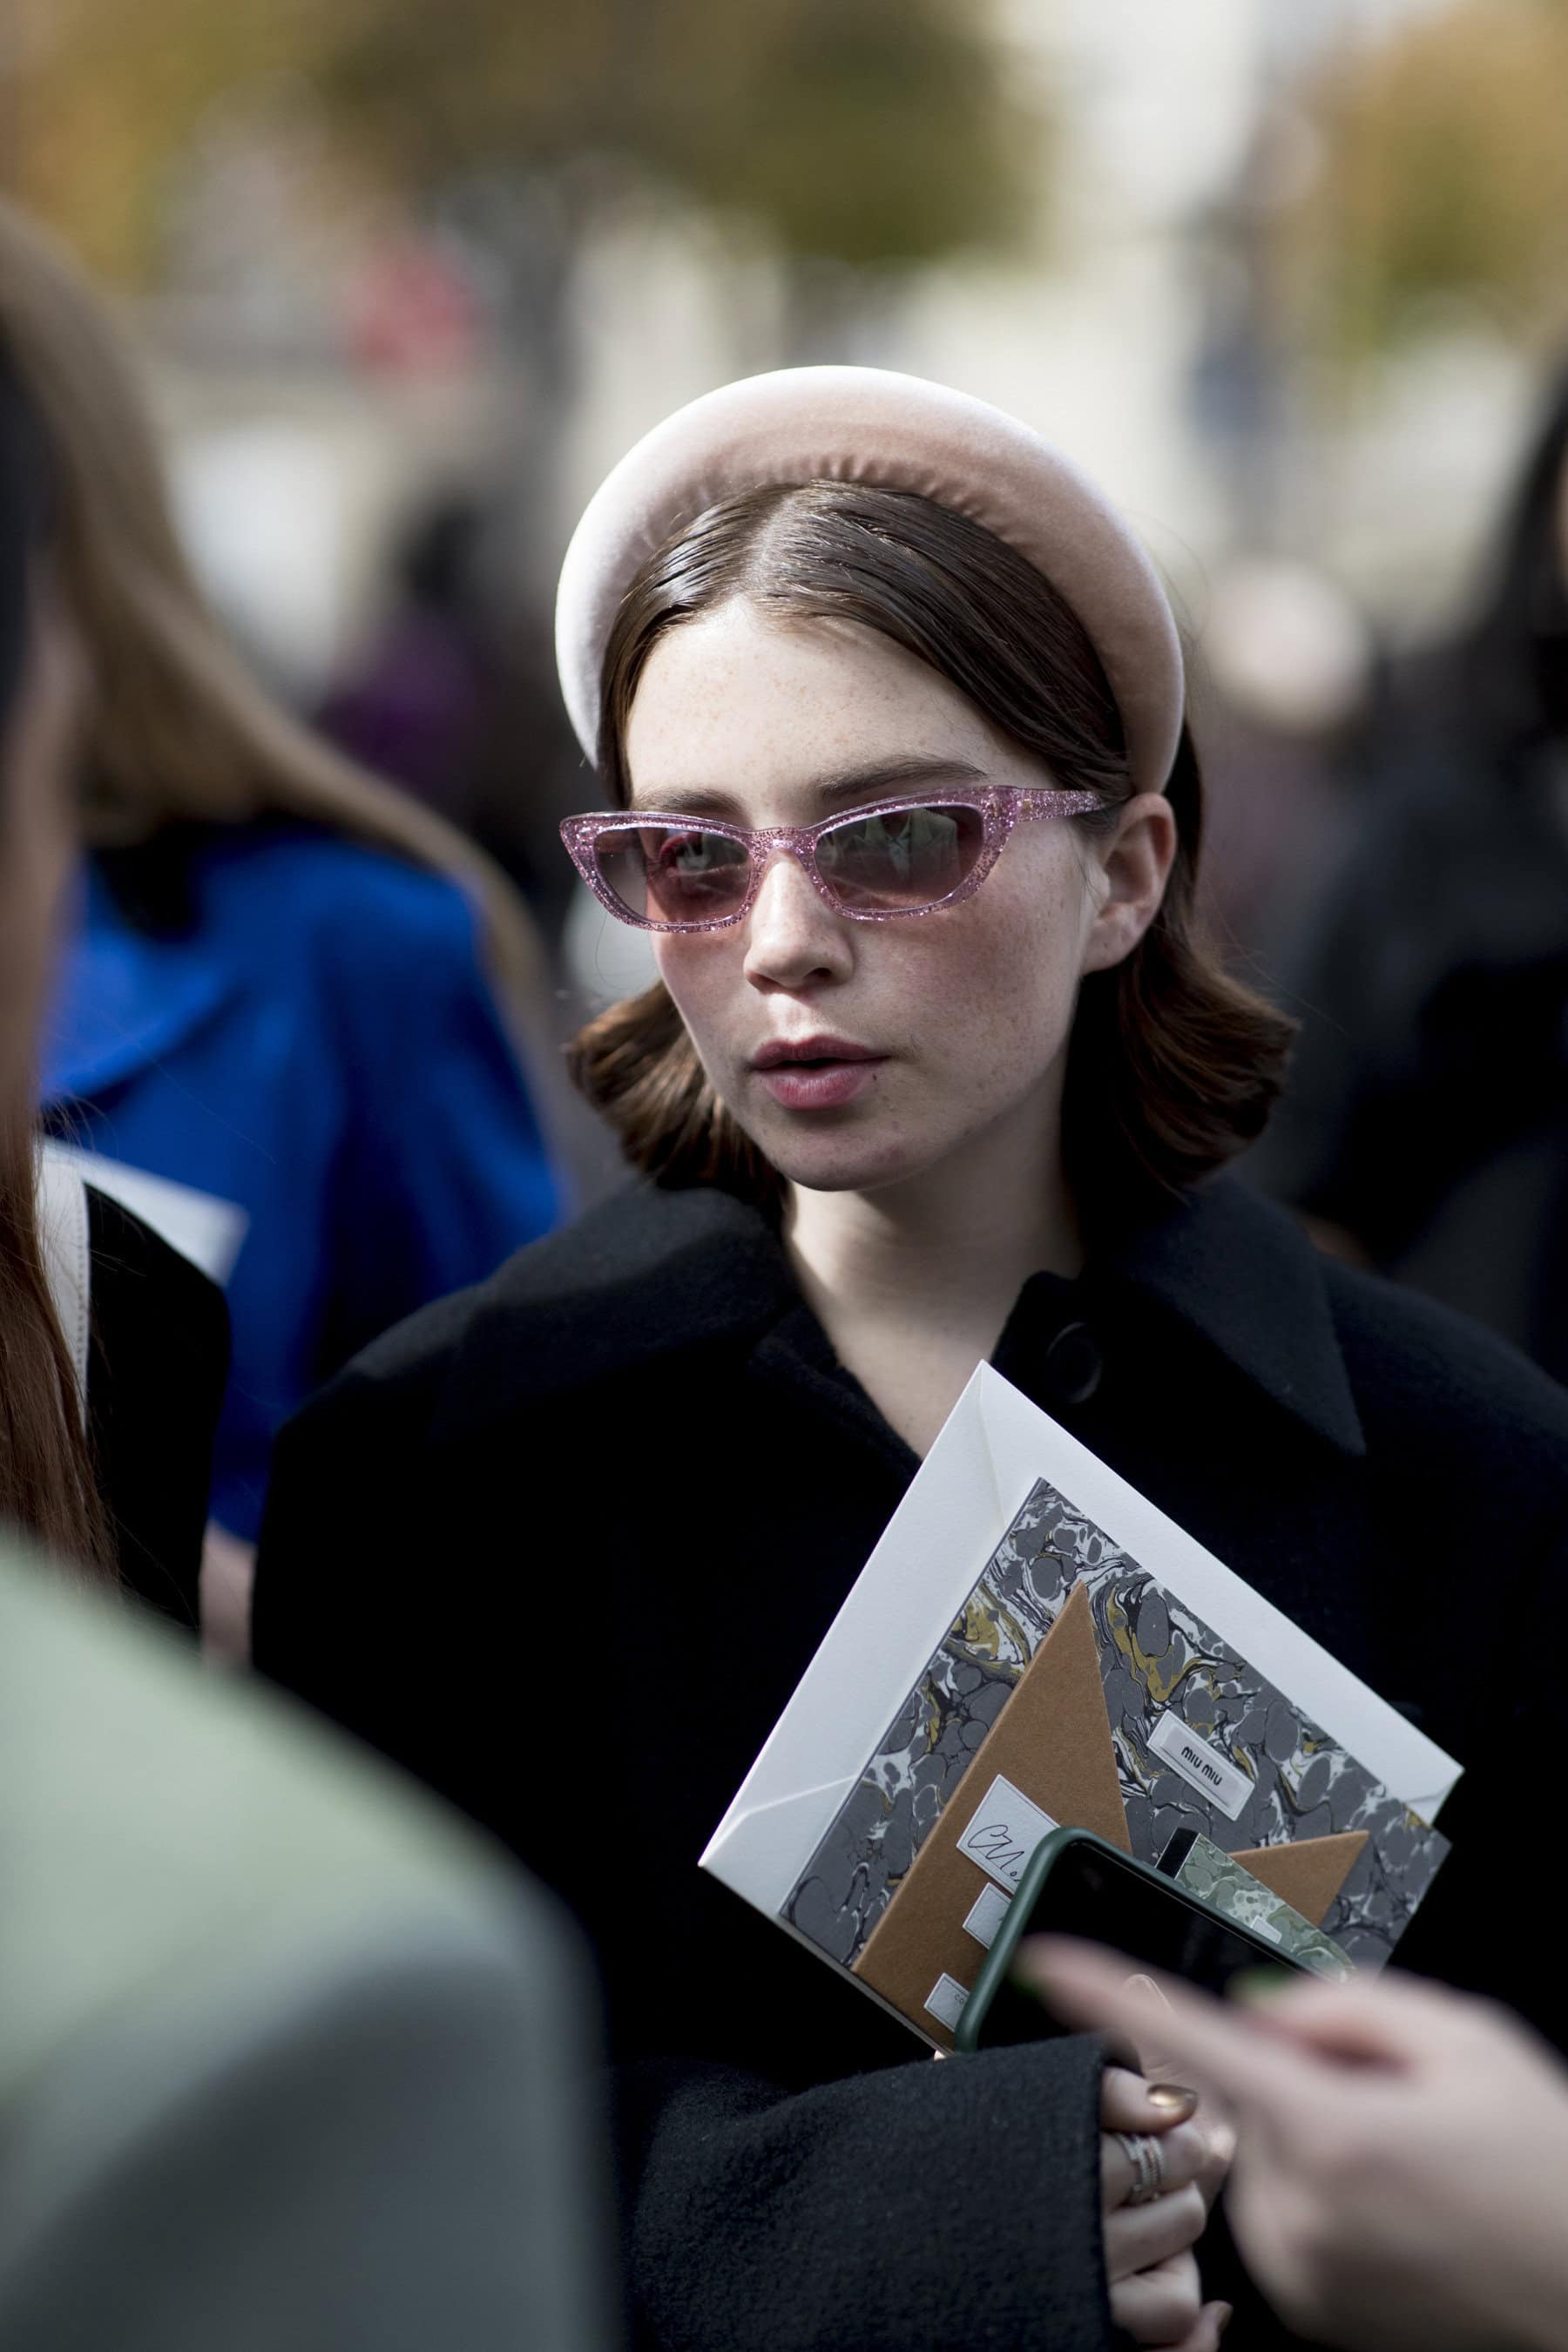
563	1546
157	1363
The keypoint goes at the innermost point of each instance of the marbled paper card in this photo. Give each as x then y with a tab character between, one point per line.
1202	1741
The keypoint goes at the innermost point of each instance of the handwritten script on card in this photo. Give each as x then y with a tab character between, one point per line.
1003	1833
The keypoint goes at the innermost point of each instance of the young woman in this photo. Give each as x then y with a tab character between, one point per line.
937	1069
286	986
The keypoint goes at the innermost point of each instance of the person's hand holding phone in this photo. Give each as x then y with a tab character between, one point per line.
1398	2184
1158	2178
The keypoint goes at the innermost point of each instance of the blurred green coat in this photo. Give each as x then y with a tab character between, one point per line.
286	2059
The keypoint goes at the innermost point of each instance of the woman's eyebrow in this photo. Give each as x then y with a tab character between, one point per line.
894	775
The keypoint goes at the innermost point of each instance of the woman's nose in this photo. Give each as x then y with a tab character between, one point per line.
792	934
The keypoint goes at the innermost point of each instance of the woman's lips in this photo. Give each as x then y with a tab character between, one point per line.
819	1085
818	1079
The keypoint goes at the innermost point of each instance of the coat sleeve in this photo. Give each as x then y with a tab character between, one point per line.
920	2204
928	2204
348	1561
1486	1925
361	2144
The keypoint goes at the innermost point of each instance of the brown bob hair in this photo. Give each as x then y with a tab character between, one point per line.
1173	1065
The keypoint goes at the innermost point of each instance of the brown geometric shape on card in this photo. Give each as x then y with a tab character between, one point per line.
1308	1875
1052	1740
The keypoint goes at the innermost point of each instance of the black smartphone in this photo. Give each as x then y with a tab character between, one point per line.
1076	1884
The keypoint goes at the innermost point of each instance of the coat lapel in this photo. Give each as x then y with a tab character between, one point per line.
1234	1267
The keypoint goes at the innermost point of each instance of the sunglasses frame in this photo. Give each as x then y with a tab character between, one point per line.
1001	806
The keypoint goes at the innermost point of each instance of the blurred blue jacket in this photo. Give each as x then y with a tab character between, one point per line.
319	1047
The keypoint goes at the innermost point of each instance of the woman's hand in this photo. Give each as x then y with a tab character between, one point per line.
1400	2179
1155	2294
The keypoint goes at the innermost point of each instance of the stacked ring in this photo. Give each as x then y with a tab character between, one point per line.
1146	2155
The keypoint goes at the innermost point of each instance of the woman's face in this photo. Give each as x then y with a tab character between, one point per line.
927	1032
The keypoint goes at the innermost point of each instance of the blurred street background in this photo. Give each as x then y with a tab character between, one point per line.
408	275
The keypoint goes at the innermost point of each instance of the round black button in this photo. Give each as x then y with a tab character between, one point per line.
1073	1364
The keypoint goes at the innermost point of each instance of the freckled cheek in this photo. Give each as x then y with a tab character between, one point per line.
1006	1002
705	978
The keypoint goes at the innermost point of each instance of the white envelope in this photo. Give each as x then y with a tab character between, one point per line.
993	1448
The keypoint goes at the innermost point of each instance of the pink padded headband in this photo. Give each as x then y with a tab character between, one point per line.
895	432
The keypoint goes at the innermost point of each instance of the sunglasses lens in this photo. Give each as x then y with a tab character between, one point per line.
665	874
910	857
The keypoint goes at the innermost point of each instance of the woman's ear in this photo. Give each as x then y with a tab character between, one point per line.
1134	864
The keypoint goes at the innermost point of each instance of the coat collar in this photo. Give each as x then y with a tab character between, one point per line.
670	1271
1241	1271
123	999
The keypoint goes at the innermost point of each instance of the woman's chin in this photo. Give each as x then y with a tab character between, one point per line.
848	1161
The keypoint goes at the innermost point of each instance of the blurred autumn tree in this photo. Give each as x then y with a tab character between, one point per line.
862	131
1444	178
101	102
858	131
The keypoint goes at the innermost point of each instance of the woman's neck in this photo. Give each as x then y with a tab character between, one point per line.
913	1282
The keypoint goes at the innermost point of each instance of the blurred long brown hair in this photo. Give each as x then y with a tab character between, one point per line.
179	729
46	1484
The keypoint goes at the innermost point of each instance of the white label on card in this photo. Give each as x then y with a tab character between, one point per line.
1004	1833
1213	1775
986	1915
945	2000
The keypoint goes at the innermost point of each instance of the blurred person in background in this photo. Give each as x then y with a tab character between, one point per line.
287	989
457	685
1425	1123
1286	665
95	1309
1402	2153
284	2059
414	707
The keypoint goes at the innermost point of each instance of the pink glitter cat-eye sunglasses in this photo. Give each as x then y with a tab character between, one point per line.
904	856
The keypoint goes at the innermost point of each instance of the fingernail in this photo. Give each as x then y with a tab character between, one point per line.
1172	2099
1223	2317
